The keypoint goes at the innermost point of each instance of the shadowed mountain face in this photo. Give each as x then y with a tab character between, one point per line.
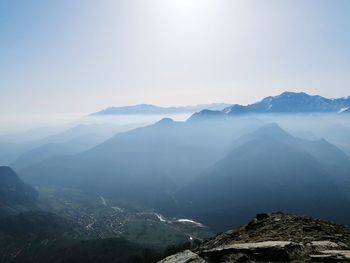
21	150
49	150
267	169
90	251
145	164
30	234
270	170
15	196
36	222
39	236
201	169
290	102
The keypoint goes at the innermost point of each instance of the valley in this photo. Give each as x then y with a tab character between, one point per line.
174	131
143	194
100	218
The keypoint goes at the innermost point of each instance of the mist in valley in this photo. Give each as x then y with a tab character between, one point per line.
151	161
165	180
174	131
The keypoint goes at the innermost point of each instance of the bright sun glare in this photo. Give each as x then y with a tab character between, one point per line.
189	5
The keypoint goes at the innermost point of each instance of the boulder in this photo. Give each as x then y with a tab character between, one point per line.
186	256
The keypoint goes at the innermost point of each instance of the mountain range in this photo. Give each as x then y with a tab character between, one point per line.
157	182
270	170
287	102
153	109
148	163
204	169
19	151
292	102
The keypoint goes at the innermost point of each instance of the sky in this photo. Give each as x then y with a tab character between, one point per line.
79	56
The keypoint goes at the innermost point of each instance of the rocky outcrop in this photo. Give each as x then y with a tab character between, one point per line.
274	237
186	256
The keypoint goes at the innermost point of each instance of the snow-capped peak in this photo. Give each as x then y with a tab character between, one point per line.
343	109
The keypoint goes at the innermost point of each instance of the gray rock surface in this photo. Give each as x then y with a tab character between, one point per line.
274	237
186	256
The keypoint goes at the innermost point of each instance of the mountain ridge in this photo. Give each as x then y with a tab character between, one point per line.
154	109
274	172
15	196
291	102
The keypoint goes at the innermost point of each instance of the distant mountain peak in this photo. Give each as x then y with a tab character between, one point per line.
206	115
164	122
344	110
291	102
272	130
291	93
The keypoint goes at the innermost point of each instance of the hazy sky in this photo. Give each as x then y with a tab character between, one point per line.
78	56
